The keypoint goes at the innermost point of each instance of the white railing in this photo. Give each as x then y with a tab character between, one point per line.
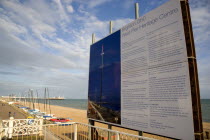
24	126
35	130
88	132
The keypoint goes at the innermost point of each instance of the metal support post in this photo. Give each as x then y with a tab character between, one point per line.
10	131
75	131
109	134
117	136
140	133
93	38
41	127
110	27
1	129
207	135
136	10
90	130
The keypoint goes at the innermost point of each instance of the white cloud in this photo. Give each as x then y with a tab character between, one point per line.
12	27
119	23
200	19
92	3
67	1
61	10
70	9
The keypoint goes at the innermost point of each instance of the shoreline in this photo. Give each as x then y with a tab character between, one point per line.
65	114
56	112
68	107
79	115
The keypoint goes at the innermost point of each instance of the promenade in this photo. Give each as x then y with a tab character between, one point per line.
5	109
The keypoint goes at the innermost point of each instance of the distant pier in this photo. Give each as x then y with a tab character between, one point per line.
51	98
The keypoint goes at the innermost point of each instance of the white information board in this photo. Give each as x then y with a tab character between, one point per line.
155	84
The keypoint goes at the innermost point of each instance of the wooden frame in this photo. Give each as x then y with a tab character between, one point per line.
194	83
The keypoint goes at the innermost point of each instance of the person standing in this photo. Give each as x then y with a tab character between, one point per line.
10	114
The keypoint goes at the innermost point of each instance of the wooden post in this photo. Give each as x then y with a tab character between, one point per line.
194	83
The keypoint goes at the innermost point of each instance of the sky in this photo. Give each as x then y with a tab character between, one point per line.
46	43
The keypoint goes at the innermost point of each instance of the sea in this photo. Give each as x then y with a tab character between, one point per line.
82	104
205	108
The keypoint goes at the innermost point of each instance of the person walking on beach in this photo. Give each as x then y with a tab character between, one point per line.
14	114
10	114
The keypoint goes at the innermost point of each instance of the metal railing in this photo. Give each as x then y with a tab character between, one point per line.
67	131
39	132
89	132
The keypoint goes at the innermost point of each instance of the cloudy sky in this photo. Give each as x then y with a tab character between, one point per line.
45	43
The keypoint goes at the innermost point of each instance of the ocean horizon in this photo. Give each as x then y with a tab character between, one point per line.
82	104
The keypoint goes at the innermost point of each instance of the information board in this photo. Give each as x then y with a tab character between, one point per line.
143	81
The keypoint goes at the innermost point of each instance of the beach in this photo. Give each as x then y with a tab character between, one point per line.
78	115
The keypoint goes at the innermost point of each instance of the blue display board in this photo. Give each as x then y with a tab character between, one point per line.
104	79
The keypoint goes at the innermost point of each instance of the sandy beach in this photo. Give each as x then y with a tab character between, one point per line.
78	115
